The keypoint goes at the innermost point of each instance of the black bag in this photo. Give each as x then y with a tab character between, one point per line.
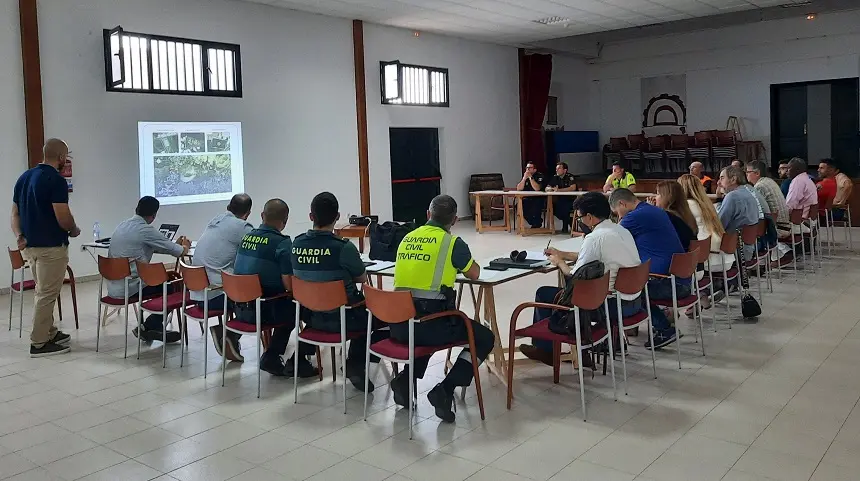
363	220
749	306
563	321
386	237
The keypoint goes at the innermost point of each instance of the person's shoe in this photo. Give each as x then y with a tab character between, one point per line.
718	296
536	354
306	369
61	338
662	339
234	349
272	364
147	335
48	349
215	332
442	402
172	336
356	377
400	386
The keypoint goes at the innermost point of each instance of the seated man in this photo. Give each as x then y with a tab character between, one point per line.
532	181
619	179
138	240
609	243
802	193
216	251
827	186
697	169
740	207
266	252
320	256
756	172
430	277
655	239
784	180
562	181
844	186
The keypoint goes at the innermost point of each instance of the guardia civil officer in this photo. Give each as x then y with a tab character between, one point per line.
428	260
320	256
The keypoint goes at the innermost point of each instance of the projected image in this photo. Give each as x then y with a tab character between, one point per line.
190	162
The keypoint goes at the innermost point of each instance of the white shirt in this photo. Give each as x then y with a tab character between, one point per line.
614	246
716	260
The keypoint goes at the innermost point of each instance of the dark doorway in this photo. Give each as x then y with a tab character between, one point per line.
815	120
415	173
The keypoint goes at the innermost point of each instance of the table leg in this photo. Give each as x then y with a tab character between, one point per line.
520	216
361	244
507	214
497	362
550	215
479	225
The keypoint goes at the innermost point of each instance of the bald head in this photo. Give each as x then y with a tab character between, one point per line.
55	152
275	214
696	169
240	206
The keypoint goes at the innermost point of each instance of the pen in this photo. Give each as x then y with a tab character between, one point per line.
547	244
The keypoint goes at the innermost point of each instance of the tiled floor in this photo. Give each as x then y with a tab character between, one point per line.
774	400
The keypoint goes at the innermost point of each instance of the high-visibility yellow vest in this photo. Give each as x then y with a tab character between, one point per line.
423	264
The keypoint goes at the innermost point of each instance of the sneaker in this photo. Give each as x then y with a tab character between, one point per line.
306	369
61	338
216	332
48	349
233	348
662	339
272	364
442	401
151	335
400	386
356	377
536	354
718	296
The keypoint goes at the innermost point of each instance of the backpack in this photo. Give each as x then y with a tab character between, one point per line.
563	321
385	239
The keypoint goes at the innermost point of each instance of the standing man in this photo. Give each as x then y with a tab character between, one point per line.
619	179
697	169
43	223
562	181
216	251
532	181
431	277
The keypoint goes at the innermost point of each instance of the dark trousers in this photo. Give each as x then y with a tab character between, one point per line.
281	312
547	295
661	289
155	322
533	210
441	332
562	207
356	321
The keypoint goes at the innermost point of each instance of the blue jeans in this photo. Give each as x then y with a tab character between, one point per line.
661	289
547	294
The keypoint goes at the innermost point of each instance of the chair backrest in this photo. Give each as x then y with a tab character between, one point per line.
702	139
114	268
656	143
590	294
724	138
703	247
796	216
729	244
813	212
391	307
632	280
636	141
680	141
749	234
618	144
319	296
15	258
684	264
761	228
241	288
828	204
194	277
151	274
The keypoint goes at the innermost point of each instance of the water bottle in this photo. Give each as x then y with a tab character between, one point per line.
97	231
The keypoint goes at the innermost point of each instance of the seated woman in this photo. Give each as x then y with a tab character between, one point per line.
670	197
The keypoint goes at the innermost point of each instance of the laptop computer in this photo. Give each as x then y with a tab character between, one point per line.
169	230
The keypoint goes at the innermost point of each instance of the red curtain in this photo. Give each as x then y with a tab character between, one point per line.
535	77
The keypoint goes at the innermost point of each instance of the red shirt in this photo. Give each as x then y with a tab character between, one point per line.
826	192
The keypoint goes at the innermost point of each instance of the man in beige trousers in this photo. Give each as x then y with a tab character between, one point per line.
43	223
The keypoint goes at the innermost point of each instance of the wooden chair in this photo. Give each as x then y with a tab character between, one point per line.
154	275
831	223
631	281
749	236
676	153
703	248
683	266
655	153
323	297
19	265
194	278
701	149
588	295
814	235
114	269
795	216
761	233
397	307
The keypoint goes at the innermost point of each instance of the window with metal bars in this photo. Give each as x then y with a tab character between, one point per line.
404	84
142	63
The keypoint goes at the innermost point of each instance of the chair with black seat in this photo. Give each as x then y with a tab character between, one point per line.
396	307
194	278
587	295
683	266
632	281
19	265
170	301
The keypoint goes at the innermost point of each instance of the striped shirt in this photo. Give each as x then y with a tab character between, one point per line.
772	194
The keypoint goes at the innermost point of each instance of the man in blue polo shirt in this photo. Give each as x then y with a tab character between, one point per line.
43	223
656	240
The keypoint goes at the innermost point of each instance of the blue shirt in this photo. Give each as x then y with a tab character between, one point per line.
35	193
654	235
266	252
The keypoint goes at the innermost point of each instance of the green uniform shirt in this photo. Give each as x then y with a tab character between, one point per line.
321	256
266	252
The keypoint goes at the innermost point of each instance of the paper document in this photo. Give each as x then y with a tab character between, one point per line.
535	256
379	266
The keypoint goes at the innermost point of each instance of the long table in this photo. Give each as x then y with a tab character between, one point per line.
484	300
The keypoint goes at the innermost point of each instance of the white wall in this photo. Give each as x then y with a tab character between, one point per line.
729	71
478	133
570	84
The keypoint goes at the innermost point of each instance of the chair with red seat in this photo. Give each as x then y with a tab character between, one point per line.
761	233
395	307
587	295
194	278
683	266
154	275
728	245
795	216
749	236
19	265
115	269
706	283
814	235
323	297
633	281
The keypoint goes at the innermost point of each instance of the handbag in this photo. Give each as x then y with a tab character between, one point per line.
385	239
563	321
750	308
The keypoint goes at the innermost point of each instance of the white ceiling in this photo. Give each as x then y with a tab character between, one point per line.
513	22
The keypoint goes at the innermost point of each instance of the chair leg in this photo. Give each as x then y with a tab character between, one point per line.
259	356
476	373
556	362
334	365
73	289
511	347
343	375
206	346
319	362
11	300
60	305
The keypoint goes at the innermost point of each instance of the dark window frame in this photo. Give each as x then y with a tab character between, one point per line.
205	45
431	70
